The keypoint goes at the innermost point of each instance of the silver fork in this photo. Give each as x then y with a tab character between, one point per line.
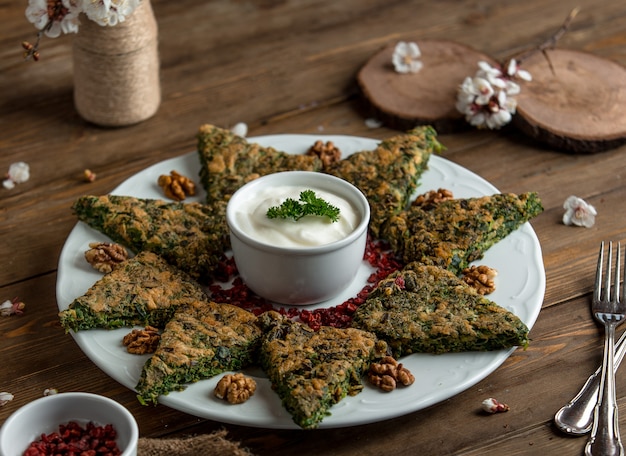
609	308
576	417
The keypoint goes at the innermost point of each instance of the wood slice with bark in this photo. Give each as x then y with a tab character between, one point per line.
403	101
576	101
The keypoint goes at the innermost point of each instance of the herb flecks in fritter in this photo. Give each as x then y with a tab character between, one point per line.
202	340
313	370
190	236
144	290
389	174
230	161
455	232
427	309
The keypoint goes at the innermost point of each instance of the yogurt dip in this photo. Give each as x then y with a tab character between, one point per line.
286	261
309	231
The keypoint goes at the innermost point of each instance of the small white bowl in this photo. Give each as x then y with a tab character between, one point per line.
44	415
298	275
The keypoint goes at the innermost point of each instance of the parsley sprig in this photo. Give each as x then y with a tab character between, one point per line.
309	204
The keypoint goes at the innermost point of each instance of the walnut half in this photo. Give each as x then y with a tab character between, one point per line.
327	152
431	198
389	373
105	256
142	341
235	388
176	186
481	278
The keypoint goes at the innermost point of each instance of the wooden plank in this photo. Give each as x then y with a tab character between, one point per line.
225	62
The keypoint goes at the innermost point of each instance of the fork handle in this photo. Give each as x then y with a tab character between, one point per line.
576	417
605	438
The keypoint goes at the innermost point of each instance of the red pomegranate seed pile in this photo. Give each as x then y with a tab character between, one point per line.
74	440
377	254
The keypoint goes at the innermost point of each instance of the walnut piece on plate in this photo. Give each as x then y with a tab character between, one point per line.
327	152
176	186
105	256
389	373
432	197
481	278
235	388
142	341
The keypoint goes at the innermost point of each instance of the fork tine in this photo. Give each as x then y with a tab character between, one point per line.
624	284
618	297
607	272
598	284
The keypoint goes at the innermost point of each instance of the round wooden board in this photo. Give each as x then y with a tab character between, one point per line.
402	101
578	107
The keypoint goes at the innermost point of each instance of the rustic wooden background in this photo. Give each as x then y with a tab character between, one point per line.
289	67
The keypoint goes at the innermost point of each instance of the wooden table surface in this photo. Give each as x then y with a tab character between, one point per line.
289	67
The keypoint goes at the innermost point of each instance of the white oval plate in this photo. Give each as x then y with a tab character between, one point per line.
520	287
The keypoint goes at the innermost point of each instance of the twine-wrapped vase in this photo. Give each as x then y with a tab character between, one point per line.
116	69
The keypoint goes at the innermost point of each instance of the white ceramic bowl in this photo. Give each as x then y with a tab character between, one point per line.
44	415
298	275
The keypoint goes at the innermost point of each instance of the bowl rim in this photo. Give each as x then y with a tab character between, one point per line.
133	437
265	180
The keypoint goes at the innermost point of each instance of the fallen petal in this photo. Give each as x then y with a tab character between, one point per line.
491	405
240	129
5	397
578	212
373	123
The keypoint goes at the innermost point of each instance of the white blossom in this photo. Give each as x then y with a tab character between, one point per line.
487	99
5	308
482	90
54	17
5	397
18	173
466	92
578	212
64	20
510	104
109	12
97	10
12	307
513	70
492	405
499	119
491	74
405	58
478	120
512	88
37	13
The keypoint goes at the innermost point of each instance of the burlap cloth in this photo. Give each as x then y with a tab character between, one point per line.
200	445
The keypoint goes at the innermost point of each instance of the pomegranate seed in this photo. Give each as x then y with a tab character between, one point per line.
377	254
73	440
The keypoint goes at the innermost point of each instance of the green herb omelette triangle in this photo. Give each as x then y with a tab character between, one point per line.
143	290
453	233
427	309
190	236
313	370
229	161
389	174
203	339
